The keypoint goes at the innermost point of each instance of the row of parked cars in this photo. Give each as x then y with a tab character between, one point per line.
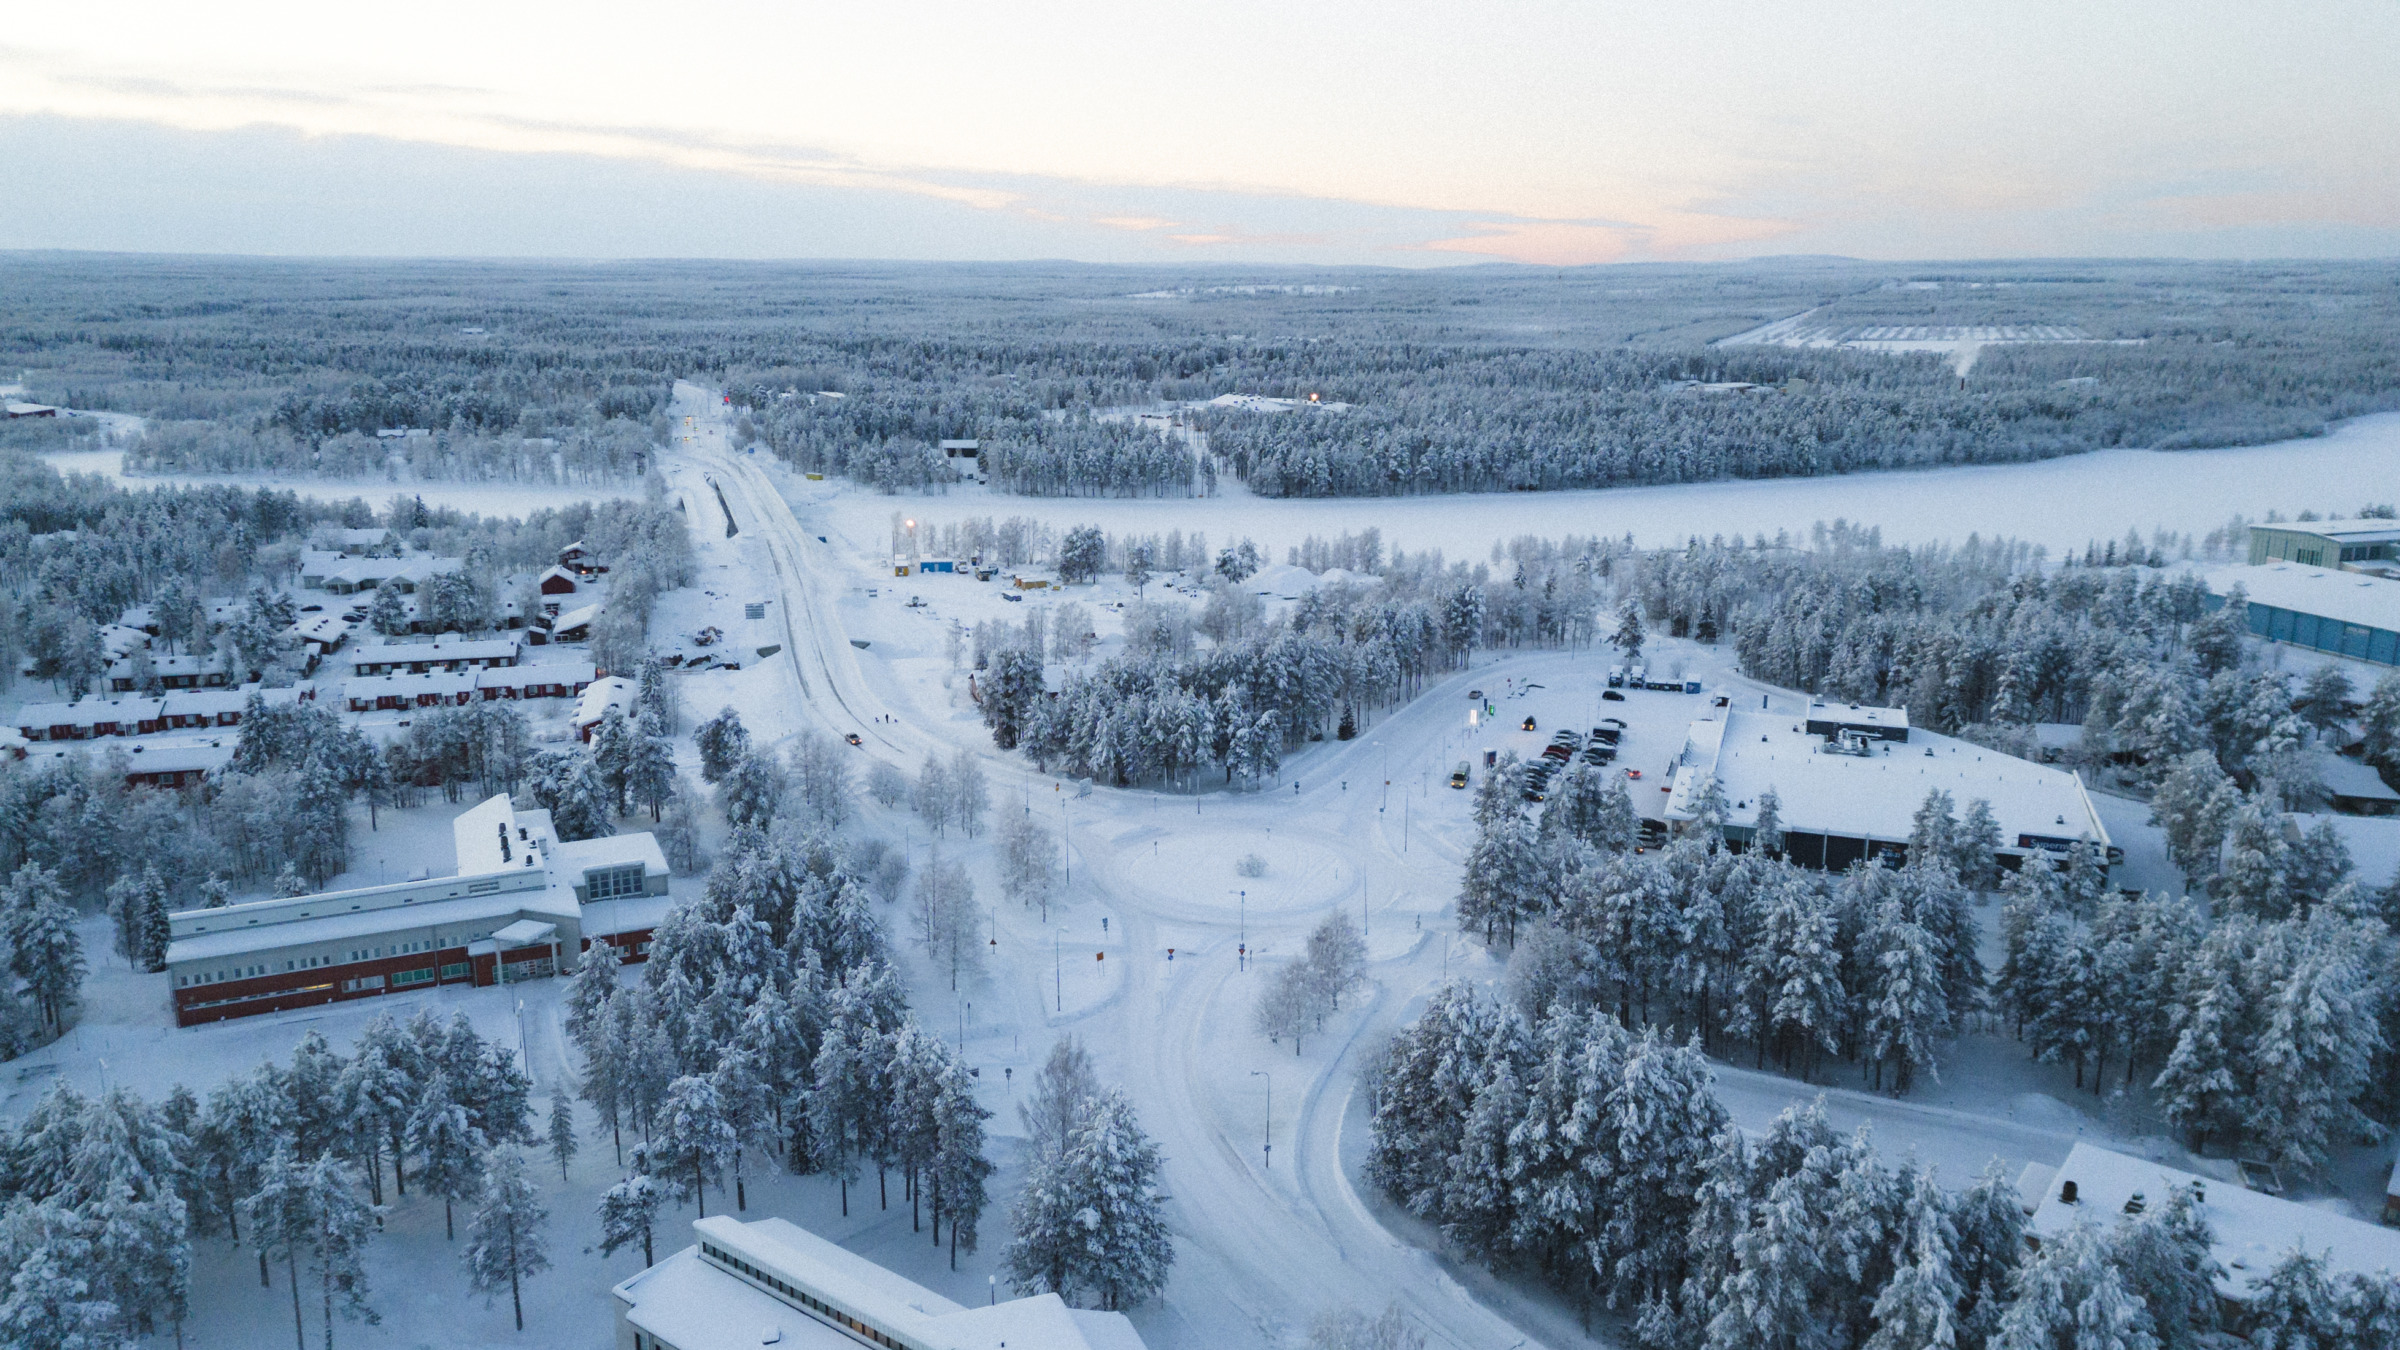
1597	750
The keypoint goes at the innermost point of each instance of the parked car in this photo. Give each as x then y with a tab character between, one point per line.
1612	696
1616	677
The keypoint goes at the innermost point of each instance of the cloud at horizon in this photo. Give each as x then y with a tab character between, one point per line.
1382	136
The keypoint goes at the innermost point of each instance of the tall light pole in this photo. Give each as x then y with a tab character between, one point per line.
1243	950
1267	1141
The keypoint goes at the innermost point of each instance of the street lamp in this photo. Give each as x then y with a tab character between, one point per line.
1267	1144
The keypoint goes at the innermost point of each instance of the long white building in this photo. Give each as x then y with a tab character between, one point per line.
774	1283
522	905
1849	781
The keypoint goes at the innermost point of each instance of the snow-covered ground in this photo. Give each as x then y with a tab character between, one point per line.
2060	503
1369	826
491	499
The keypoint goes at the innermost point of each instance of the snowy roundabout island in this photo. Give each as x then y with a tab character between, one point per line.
1217	871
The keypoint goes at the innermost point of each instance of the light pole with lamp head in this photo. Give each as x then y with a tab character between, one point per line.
1267	1143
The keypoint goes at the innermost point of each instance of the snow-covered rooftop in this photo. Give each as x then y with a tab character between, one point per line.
2352	597
746	1282
2345	777
609	691
2253	1230
2371	530
1874	796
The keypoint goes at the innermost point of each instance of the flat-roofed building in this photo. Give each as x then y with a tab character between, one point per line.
773	1282
522	905
2252	1231
2345	613
1851	795
2344	545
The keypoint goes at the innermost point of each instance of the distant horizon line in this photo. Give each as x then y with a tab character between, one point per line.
1196	265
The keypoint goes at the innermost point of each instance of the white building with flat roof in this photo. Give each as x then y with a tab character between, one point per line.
2254	1231
1854	793
522	905
774	1283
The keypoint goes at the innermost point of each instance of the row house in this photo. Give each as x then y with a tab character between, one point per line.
188	671
90	718
416	658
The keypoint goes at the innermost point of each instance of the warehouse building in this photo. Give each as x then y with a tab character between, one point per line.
775	1283
2252	1231
2342	545
2345	613
1852	791
523	905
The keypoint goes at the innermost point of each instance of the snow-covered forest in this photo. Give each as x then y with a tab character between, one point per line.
1462	382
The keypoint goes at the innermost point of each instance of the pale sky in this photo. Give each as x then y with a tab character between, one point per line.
1401	133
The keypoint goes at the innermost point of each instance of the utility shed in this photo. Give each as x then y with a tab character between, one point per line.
2253	1231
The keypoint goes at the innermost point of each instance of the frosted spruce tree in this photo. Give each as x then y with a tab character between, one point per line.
1089	1223
628	1211
505	1242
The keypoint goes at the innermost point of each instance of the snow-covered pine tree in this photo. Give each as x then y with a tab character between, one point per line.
628	1210
1766	832
44	949
723	742
692	1142
1989	1221
1917	1309
959	1167
1090	1222
1906	1012
849	1107
307	1210
505	1242
1430	1071
562	1129
2166	1253
2071	1296
448	1146
1663	1117
374	1097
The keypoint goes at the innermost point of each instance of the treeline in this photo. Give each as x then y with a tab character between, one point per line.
1230	689
1601	1161
1877	966
590	452
103	1198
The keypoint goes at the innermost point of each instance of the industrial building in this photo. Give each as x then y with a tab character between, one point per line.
2370	545
2252	1231
2346	613
1851	790
522	905
775	1283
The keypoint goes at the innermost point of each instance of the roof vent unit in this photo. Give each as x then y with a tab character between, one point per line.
2135	1204
2066	1193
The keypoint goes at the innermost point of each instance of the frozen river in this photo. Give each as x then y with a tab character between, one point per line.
2059	503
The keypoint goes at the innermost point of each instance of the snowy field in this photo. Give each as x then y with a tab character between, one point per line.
1140	955
490	499
2060	503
